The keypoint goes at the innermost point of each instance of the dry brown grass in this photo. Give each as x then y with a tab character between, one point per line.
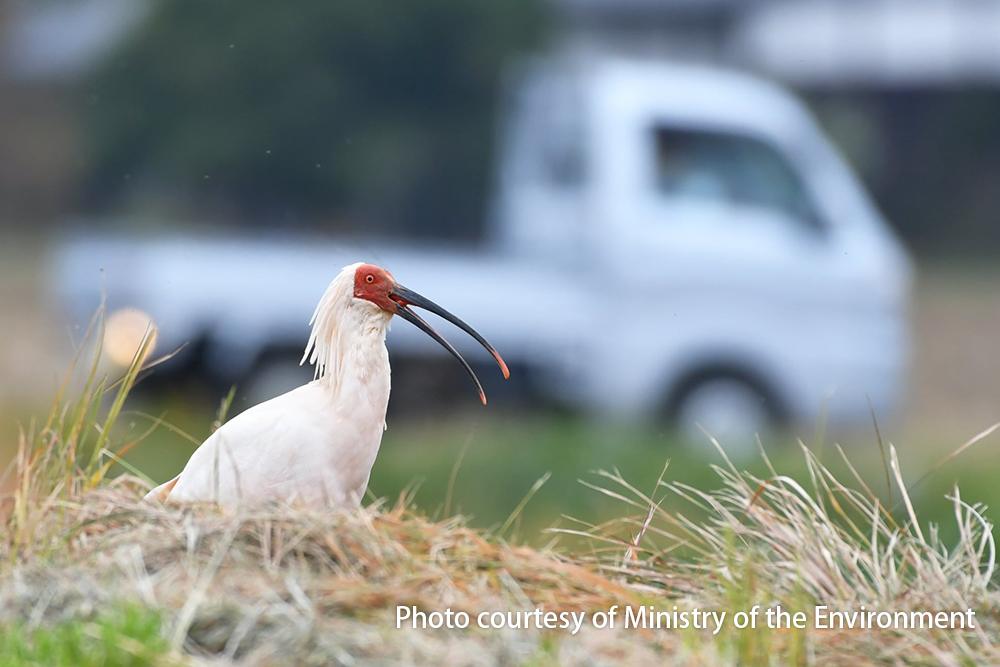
777	541
280	581
283	585
261	585
278	585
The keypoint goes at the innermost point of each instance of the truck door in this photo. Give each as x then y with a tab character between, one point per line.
726	207
730	259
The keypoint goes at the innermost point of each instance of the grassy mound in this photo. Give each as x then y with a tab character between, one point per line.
279	581
93	575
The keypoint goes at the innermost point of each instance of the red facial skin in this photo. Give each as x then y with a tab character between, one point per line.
373	283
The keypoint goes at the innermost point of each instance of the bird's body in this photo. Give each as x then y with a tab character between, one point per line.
279	450
316	444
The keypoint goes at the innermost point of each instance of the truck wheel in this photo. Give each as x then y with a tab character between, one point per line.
733	410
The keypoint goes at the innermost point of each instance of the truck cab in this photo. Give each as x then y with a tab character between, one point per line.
736	270
666	241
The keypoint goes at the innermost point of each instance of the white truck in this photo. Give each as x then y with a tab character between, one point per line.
665	240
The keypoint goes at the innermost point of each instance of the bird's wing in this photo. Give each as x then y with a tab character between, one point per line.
250	454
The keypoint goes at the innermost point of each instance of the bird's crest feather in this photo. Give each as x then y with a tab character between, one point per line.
323	348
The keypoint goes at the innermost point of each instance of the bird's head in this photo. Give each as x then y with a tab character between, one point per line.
376	285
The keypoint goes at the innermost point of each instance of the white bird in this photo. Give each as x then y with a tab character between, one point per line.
316	444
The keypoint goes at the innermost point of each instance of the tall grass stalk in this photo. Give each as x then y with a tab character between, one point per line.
755	540
74	450
775	540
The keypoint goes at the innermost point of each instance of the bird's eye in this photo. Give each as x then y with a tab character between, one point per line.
370	279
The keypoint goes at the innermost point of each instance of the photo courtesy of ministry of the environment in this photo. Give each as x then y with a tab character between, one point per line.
681	619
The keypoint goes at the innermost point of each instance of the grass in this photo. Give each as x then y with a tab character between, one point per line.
91	572
70	452
505	455
775	541
128	635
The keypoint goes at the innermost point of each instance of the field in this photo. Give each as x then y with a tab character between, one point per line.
158	585
95	575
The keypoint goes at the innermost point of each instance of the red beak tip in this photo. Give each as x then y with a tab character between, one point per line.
503	366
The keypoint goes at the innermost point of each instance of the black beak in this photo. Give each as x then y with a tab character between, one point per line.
404	298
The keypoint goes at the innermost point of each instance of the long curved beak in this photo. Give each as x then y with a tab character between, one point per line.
403	298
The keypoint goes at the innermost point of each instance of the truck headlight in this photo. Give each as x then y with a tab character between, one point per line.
124	332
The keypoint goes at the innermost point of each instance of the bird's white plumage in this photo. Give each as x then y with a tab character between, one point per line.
316	444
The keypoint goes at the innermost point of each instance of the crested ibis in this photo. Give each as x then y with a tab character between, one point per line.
316	444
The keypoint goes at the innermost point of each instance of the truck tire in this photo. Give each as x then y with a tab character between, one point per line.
732	407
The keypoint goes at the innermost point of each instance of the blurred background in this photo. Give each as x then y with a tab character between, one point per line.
622	195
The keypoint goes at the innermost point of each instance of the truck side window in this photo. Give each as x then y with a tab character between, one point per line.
730	168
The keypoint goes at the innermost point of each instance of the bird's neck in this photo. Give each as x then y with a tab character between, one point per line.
348	347
361	363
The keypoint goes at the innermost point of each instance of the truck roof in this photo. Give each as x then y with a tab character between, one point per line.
697	95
